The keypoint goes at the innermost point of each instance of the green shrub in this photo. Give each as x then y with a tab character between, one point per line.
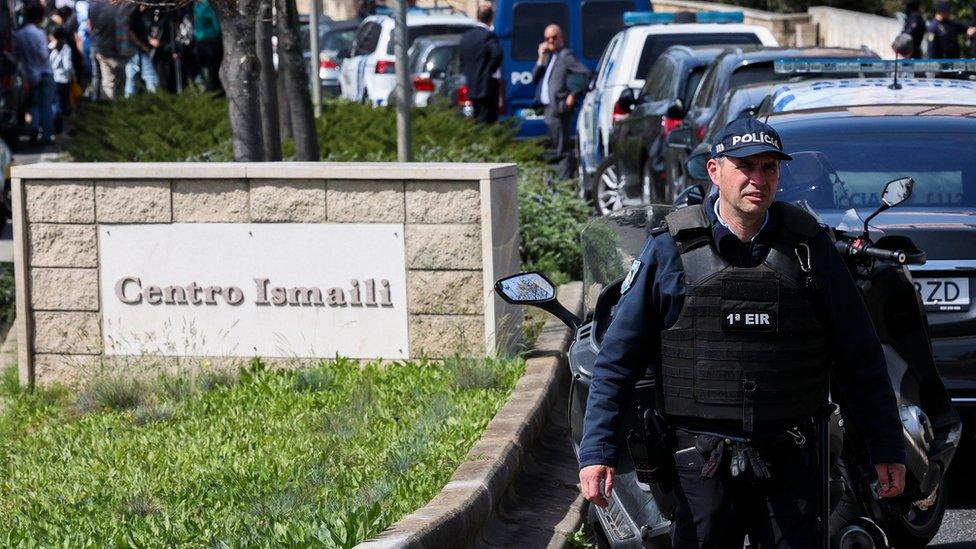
114	393
193	126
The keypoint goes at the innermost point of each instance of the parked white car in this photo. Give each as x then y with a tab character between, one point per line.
625	63
367	75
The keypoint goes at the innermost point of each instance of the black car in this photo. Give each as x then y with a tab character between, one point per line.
738	102
840	153
632	172
738	67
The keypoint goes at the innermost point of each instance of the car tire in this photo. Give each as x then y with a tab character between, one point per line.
607	187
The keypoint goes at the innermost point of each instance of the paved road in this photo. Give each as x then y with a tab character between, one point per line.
959	526
30	155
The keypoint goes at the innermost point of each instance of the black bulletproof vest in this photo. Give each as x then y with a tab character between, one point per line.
746	345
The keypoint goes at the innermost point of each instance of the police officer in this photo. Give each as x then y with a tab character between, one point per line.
739	307
942	34
914	27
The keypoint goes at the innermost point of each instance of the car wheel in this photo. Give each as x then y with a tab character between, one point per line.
607	187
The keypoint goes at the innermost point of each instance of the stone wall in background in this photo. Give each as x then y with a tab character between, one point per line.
460	230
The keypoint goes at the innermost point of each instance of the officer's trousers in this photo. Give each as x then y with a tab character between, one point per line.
779	512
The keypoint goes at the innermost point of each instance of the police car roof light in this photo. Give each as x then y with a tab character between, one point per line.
720	17
632	18
828	65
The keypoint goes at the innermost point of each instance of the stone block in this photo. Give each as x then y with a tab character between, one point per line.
365	201
133	202
445	292
213	201
443	247
71	371
60	201
67	333
64	289
446	335
443	202
56	245
288	201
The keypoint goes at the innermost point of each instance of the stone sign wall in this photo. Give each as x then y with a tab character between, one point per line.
459	233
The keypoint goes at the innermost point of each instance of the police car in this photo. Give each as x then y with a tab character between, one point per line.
368	74
628	58
845	135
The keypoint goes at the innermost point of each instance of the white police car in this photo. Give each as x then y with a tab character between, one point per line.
368	74
889	91
628	58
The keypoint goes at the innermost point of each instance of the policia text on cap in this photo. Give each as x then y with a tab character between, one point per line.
740	340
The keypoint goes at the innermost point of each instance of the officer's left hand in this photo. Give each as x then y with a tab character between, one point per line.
891	479
570	101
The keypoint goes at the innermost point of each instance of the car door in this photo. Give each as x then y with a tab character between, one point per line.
589	117
643	124
353	67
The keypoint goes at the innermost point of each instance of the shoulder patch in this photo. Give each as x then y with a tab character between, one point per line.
631	275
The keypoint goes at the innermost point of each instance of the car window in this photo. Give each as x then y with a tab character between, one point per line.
839	174
601	20
438	59
367	37
529	23
691	84
337	40
605	66
655	44
660	81
427	30
705	89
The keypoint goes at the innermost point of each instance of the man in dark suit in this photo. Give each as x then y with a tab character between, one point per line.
481	61
552	76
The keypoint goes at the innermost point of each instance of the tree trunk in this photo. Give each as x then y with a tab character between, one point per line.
267	87
292	67
284	110
239	74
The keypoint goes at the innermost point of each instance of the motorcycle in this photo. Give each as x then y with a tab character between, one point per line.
640	508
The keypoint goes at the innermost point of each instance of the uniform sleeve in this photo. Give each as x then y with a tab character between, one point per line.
623	359
861	383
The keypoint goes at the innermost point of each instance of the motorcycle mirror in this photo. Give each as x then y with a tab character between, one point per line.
696	168
895	192
691	196
533	288
526	289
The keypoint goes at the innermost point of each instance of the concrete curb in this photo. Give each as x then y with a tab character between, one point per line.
457	513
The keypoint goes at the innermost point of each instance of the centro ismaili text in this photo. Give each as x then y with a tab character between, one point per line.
130	290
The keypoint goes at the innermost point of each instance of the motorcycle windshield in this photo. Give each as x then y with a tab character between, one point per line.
612	242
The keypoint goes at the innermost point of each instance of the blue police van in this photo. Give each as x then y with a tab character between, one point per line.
588	25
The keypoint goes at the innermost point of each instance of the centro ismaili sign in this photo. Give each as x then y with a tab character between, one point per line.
254	289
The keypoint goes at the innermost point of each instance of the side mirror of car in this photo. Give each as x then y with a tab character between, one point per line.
680	138
676	110
696	167
691	196
627	100
438	73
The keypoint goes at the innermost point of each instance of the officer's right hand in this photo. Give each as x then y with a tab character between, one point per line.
590	477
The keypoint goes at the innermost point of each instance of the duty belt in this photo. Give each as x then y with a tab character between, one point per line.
744	451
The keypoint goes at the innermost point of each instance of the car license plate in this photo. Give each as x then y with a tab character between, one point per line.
529	114
944	294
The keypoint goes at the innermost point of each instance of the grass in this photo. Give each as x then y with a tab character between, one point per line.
324	457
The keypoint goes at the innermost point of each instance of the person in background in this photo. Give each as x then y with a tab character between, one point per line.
30	46
109	25
210	49
914	26
555	64
62	66
140	65
481	61
942	34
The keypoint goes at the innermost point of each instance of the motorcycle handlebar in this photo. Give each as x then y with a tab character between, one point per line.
849	248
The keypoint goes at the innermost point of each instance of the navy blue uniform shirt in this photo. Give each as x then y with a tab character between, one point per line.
632	342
